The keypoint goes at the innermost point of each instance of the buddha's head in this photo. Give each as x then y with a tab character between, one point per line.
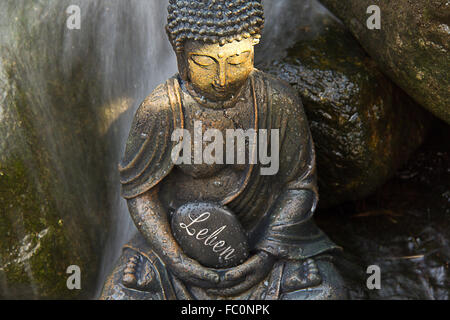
214	41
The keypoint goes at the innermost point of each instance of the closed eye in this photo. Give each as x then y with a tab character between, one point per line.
239	58
203	61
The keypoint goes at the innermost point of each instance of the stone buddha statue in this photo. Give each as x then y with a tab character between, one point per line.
218	90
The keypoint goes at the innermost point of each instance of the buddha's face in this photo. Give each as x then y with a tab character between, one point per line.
218	72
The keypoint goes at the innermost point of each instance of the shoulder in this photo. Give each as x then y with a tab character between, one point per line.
281	93
161	108
277	87
157	103
154	115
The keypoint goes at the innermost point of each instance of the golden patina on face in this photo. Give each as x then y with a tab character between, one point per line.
218	72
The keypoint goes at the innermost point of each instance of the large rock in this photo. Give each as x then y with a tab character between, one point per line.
66	99
403	228
412	47
53	208
364	127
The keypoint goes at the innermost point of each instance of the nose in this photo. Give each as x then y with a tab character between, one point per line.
221	78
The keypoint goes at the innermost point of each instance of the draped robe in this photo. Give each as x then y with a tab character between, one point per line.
261	203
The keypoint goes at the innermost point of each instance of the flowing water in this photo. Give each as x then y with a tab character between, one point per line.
134	56
80	89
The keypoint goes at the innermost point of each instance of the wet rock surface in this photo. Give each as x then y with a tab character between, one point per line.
52	199
364	127
66	100
403	228
211	235
412	47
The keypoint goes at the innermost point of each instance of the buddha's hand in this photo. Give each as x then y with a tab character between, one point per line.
245	276
193	273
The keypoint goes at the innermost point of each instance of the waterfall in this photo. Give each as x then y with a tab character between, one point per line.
134	56
76	91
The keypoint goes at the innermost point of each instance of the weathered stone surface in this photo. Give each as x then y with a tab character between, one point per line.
403	228
67	99
364	127
211	235
412	47
56	157
52	208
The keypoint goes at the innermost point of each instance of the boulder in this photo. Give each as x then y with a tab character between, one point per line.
364	127
56	152
412	46
67	100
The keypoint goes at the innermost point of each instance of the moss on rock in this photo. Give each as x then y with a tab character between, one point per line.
364	127
53	199
412	47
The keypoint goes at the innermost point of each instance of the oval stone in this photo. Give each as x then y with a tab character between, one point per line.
211	235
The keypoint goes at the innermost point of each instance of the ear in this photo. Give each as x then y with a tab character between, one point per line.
256	39
182	65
